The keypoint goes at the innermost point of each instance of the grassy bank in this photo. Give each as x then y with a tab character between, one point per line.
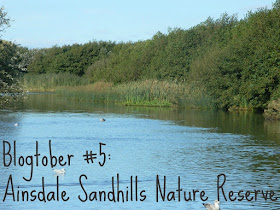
50	82
141	93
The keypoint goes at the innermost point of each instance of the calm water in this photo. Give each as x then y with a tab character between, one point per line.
143	142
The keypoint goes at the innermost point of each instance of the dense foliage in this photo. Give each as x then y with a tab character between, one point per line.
72	59
236	61
13	61
273	110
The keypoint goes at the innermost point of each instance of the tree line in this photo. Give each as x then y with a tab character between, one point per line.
237	61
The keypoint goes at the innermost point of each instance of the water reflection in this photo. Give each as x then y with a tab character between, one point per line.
194	144
245	123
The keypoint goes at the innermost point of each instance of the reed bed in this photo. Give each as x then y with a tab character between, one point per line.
138	93
50	82
141	93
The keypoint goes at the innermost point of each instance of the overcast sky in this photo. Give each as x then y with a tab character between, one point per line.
44	23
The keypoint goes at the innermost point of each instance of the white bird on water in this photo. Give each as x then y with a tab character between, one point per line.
102	120
16	124
214	206
59	171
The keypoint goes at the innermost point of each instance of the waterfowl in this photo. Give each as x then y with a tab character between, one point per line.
59	171
16	124
102	120
214	206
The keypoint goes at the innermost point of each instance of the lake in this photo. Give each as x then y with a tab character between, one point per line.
144	142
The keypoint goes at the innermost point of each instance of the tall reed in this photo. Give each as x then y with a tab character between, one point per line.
49	82
144	93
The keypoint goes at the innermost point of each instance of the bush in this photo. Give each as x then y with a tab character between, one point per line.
273	110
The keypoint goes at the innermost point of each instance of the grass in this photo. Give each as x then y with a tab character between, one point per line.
50	82
141	93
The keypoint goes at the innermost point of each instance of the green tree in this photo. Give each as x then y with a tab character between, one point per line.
9	64
4	20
